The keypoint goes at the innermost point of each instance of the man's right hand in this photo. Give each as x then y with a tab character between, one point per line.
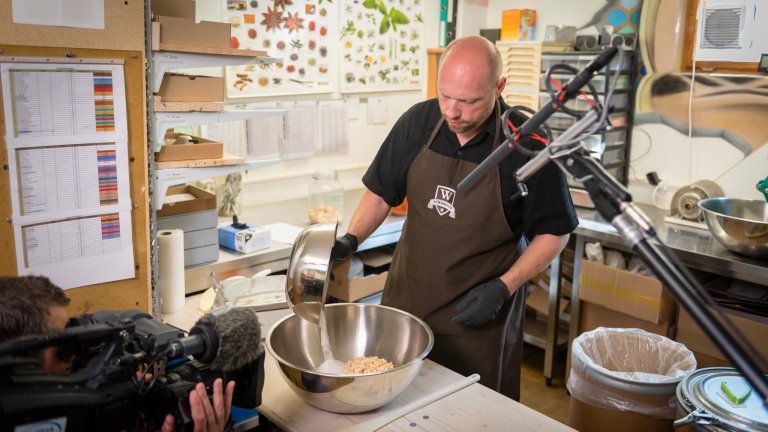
207	418
344	247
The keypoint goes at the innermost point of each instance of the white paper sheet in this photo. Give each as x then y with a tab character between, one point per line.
77	252
66	13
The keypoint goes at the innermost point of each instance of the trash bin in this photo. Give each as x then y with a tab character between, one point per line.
625	379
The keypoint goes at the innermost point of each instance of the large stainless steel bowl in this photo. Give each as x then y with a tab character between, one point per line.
354	330
740	225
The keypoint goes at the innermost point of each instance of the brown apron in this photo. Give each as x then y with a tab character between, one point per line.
451	242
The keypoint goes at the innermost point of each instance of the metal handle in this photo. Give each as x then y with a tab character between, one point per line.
698	416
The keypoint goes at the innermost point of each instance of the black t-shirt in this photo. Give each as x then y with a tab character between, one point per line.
546	210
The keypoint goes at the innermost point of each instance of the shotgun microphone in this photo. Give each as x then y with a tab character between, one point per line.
530	125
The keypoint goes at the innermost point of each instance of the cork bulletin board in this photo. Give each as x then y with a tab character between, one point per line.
122	39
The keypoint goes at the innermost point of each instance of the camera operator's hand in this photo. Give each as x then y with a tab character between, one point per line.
207	418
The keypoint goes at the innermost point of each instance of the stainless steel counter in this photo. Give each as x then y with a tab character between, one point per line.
695	247
275	258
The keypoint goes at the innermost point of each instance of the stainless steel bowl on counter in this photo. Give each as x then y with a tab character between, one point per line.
740	225
354	330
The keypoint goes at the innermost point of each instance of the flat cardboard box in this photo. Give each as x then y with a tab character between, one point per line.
594	316
203	149
174	8
629	293
185	31
754	328
350	290
200	201
191	88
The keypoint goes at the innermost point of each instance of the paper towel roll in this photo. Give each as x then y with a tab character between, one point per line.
170	270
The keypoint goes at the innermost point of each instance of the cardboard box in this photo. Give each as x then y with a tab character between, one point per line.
538	300
174	8
202	149
187	32
593	316
350	290
186	199
191	88
629	293
587	418
754	328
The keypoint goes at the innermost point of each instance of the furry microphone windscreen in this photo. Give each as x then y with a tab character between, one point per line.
239	335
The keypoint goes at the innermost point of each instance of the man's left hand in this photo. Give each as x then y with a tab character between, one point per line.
481	303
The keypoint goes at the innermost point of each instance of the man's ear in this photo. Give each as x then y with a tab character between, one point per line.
500	84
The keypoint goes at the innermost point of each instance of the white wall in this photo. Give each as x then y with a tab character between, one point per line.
550	12
289	179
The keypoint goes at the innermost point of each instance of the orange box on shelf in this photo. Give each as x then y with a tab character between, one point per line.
191	88
518	25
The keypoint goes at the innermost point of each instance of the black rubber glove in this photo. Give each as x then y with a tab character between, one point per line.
344	247
482	303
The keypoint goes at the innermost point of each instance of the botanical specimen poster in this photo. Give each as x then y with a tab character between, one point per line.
301	33
381	45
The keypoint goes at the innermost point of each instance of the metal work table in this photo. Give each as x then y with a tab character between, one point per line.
696	248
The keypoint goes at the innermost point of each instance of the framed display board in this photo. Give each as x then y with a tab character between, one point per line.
132	291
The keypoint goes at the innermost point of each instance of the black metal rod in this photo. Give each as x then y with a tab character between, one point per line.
683	290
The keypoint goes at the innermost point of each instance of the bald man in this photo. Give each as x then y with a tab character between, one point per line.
463	258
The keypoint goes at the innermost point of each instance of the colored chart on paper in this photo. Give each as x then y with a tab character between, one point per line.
60	178
61	102
69	240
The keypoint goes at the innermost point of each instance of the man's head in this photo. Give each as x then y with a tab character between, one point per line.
32	305
468	83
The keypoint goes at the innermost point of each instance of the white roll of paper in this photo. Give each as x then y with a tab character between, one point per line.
170	270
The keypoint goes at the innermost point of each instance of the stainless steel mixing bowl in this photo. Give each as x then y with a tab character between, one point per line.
740	225
308	270
354	329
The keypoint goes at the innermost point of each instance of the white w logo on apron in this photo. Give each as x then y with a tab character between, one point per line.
443	201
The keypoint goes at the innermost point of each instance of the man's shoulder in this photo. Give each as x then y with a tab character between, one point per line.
426	112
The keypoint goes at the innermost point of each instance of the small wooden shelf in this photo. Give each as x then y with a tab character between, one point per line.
228	159
210	50
208	106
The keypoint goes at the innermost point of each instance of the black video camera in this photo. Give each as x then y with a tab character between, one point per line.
127	371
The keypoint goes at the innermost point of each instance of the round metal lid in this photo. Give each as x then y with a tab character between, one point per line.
702	391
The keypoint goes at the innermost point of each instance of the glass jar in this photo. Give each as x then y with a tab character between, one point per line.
326	197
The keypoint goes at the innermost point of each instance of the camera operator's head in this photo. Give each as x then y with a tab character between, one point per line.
32	305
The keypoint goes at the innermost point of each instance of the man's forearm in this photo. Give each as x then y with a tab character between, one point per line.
370	213
542	250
